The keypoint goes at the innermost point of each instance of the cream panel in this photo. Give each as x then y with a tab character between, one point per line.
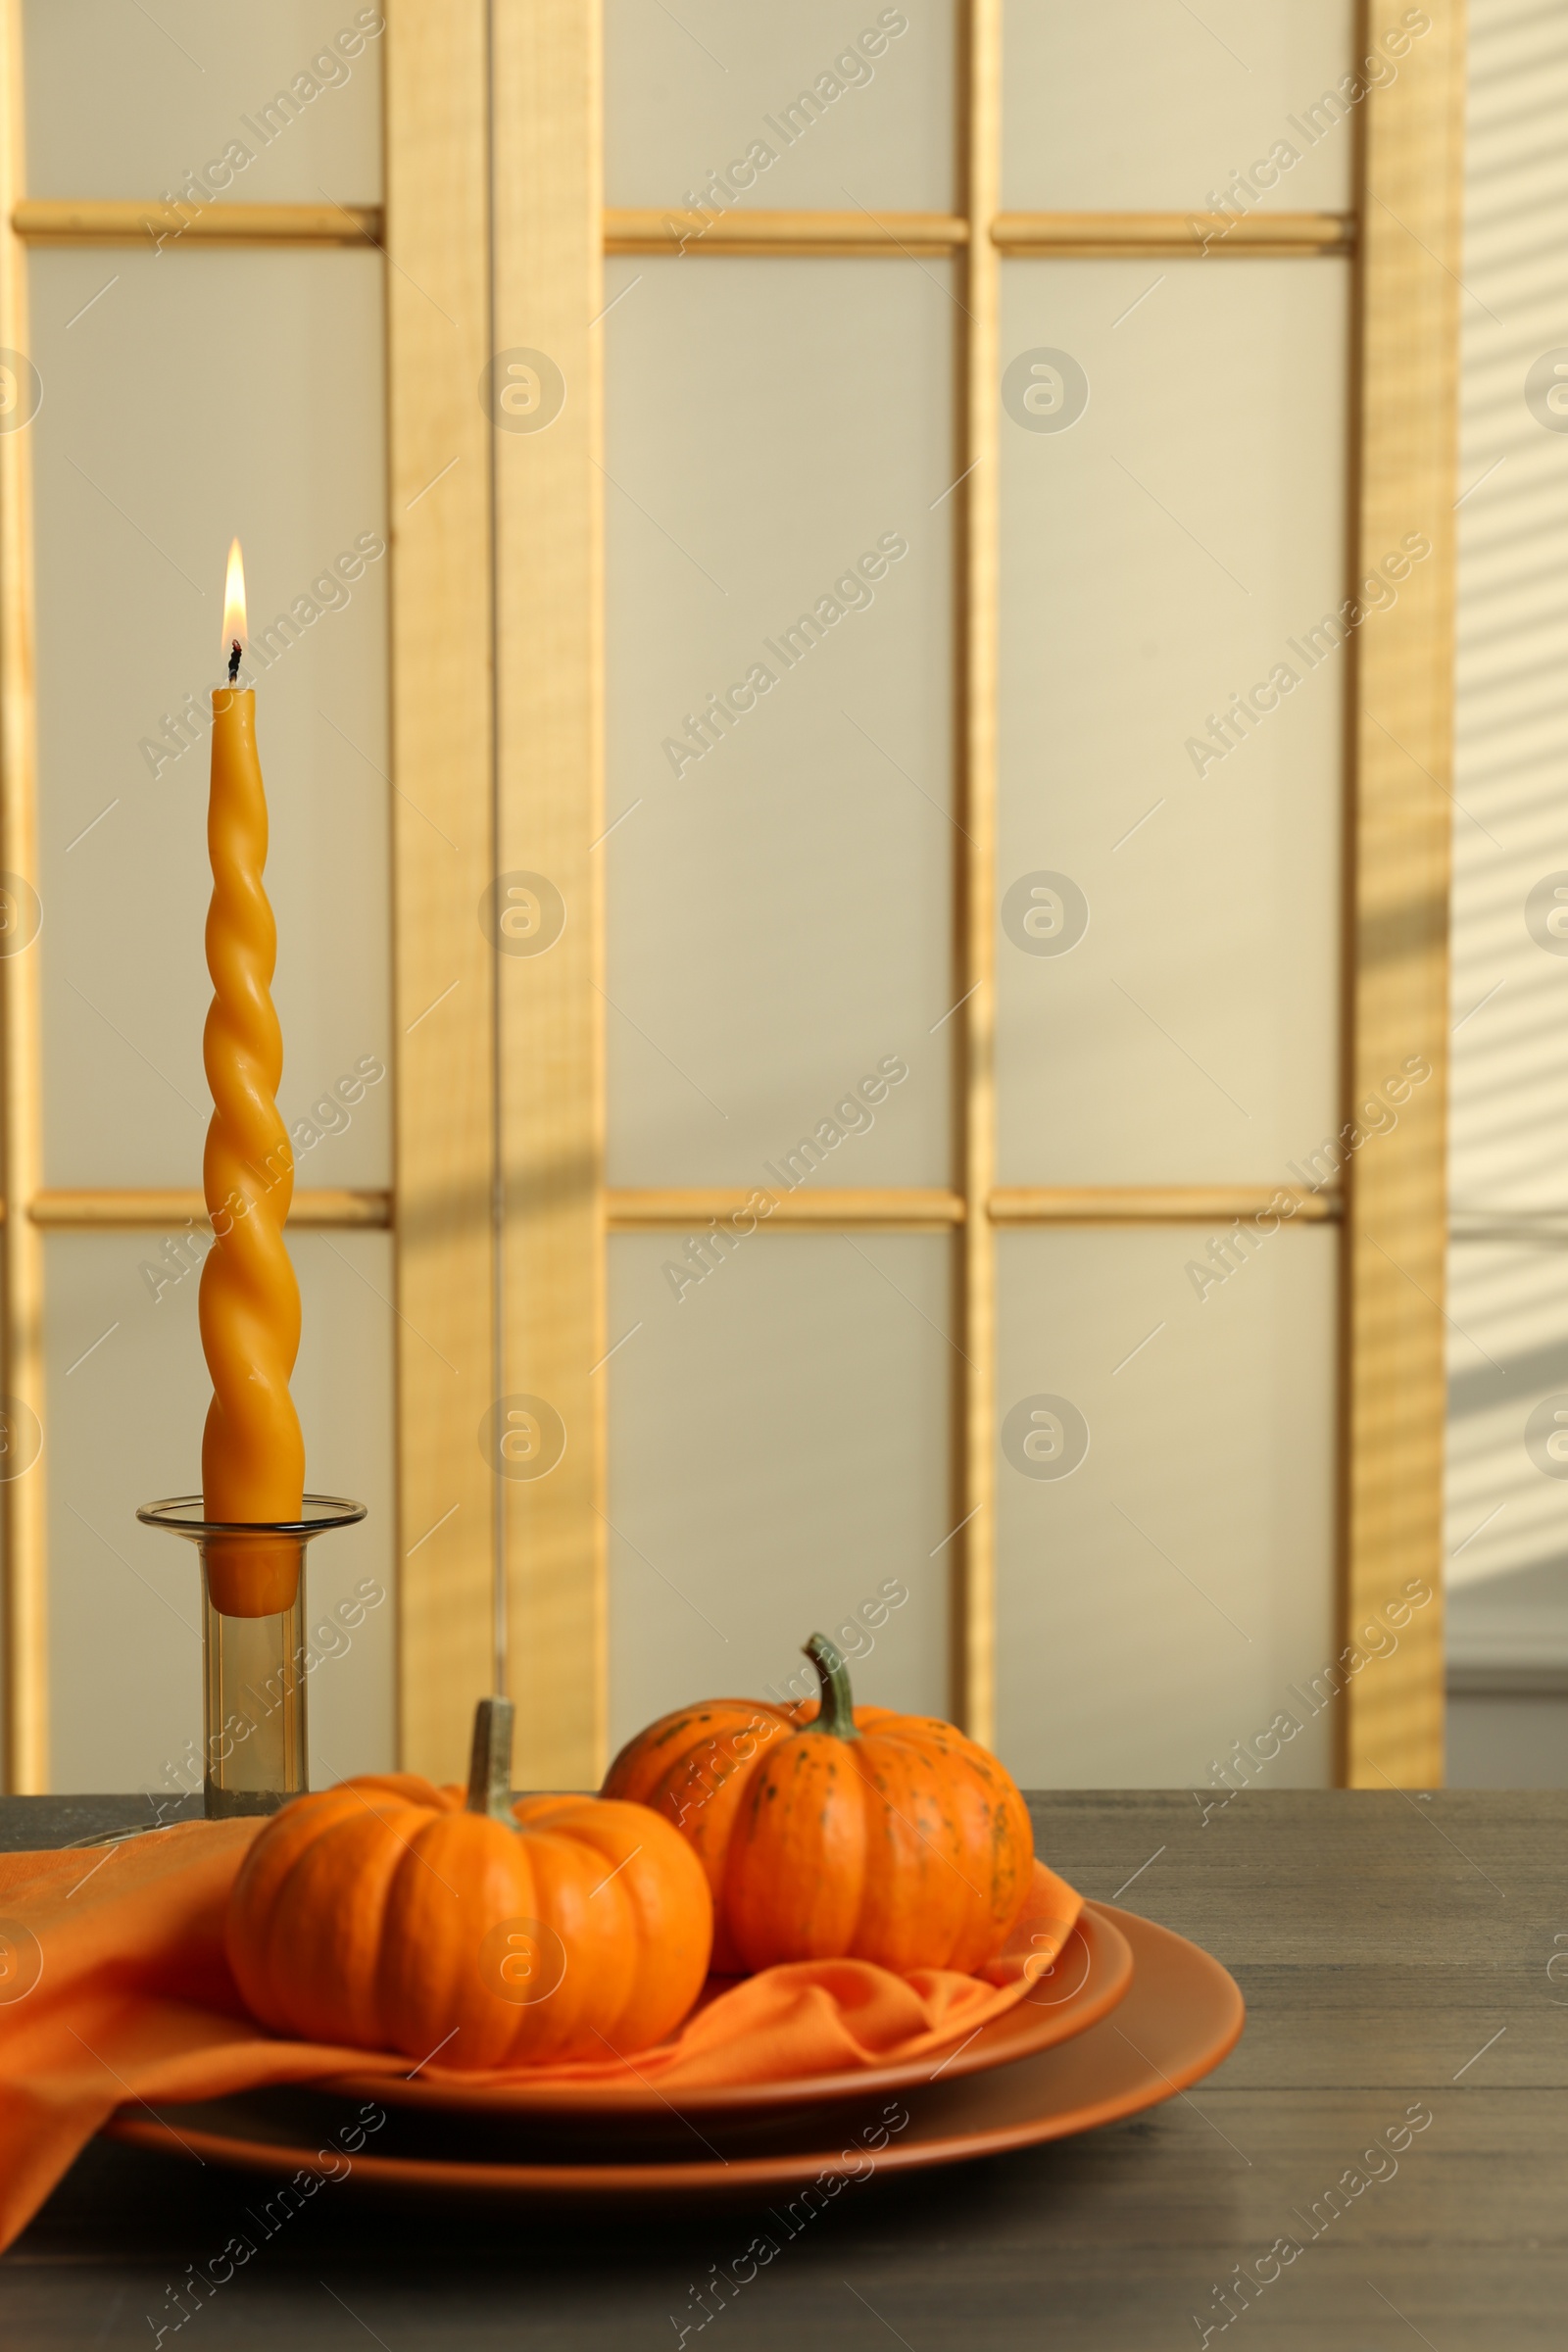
1164	1504
779	1439
127	1394
1150	105
1508	1493
780	910
127	101
1168	1012
825	104
1509	1082
1507	1476
220	393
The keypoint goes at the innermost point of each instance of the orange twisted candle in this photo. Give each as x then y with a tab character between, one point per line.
253	1453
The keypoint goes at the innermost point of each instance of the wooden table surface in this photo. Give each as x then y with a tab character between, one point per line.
1393	1951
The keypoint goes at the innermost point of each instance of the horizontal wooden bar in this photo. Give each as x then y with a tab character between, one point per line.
655	1208
140	1211
1155	1205
134	220
798	232
906	1208
1173	236
1532	1228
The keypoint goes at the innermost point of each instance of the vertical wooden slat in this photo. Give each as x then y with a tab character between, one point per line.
438	302
21	1499
974	1609
548	275
1395	1232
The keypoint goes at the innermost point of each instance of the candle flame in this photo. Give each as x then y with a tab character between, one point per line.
235	598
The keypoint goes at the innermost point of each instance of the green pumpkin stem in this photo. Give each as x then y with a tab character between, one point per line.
836	1714
490	1768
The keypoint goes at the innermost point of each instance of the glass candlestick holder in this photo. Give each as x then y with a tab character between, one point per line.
254	1752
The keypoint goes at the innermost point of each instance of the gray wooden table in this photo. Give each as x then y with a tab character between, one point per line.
1393	1951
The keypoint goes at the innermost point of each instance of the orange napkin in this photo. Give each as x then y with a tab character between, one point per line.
114	1989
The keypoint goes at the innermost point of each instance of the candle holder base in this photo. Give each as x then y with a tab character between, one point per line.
255	1752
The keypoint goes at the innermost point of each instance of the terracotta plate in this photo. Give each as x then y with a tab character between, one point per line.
1091	1976
1181	2015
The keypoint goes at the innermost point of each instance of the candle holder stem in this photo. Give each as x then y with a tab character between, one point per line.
255	1752
254	1749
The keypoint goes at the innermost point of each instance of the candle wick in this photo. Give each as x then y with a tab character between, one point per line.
233	661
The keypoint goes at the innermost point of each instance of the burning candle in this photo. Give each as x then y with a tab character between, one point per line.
253	1453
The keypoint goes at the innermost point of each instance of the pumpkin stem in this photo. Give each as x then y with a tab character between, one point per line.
836	1714
490	1768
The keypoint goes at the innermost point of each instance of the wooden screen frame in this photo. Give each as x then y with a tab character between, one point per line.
23	1500
441	544
1393	1378
548	271
499	1209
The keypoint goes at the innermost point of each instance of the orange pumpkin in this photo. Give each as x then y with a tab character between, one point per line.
394	1915
838	1831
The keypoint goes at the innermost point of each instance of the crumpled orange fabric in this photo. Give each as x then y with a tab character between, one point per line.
113	1990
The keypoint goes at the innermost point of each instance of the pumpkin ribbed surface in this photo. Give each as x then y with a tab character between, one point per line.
850	1832
384	1914
693	1768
